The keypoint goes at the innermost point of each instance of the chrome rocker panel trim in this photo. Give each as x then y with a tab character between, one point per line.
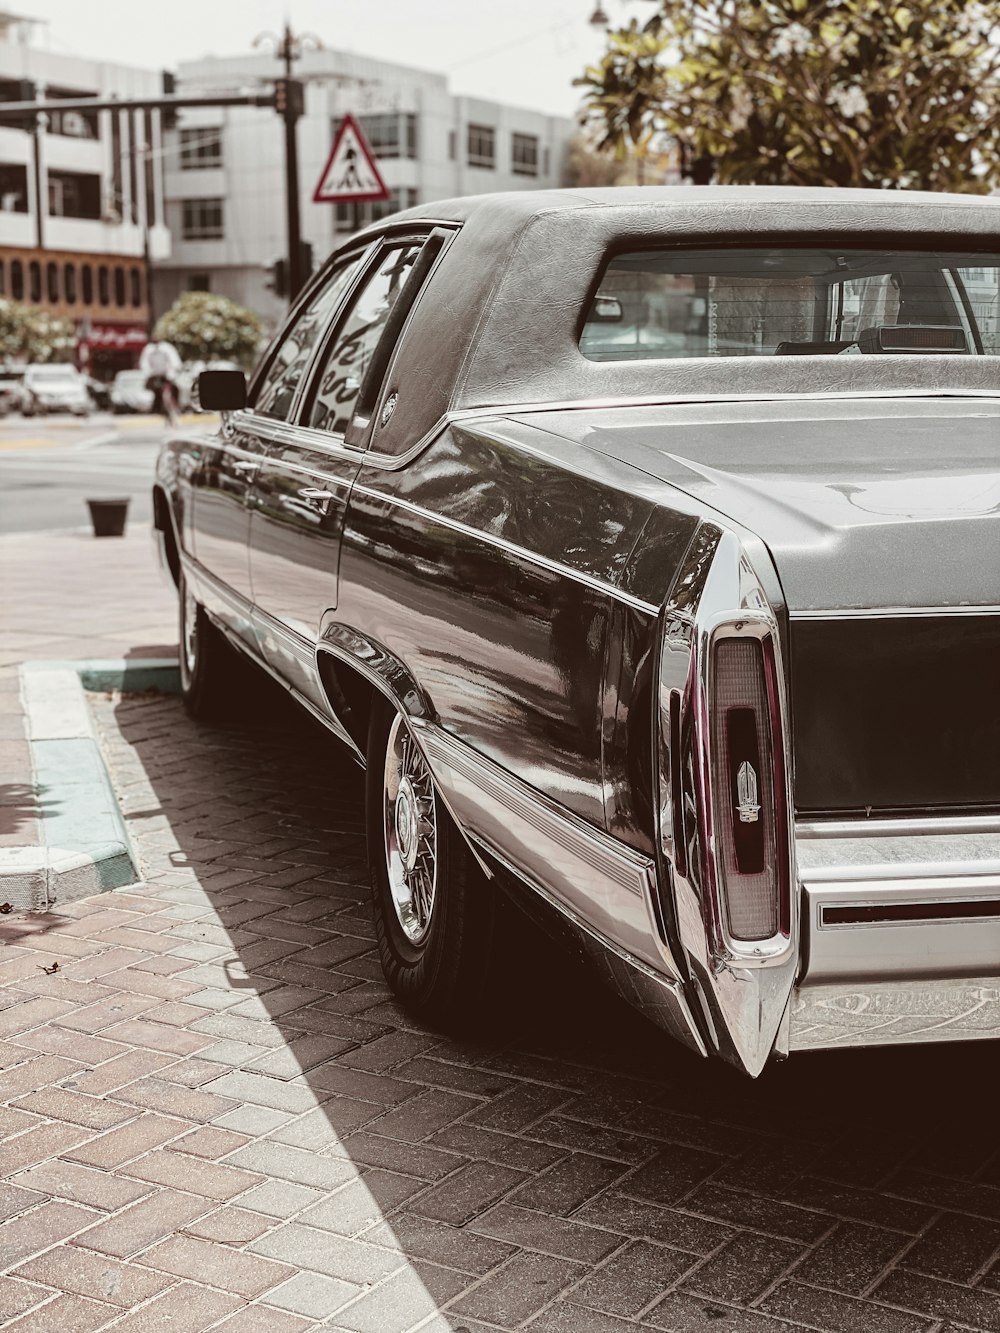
595	878
656	997
209	586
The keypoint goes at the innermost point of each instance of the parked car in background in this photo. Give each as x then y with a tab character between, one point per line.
643	547
100	393
129	392
12	393
55	388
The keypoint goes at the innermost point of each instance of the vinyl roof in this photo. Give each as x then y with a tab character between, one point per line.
520	205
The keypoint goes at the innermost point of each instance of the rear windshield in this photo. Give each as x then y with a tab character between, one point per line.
793	302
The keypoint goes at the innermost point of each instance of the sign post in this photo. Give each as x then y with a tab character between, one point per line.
351	174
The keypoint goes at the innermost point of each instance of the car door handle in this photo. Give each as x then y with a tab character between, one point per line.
246	465
314	493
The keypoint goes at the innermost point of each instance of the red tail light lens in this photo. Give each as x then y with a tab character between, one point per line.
748	790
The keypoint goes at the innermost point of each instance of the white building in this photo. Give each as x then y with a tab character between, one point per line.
225	183
81	200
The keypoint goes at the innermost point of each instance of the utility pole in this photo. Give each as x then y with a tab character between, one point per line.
289	101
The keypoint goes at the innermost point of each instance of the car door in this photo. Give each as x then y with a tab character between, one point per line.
305	481
231	467
220	524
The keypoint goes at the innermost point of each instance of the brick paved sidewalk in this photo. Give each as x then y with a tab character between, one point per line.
212	1115
69	595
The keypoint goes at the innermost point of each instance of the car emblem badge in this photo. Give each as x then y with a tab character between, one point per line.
388	407
748	808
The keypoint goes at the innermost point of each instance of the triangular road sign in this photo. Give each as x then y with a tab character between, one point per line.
350	174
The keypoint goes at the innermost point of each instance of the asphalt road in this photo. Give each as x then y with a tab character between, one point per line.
50	467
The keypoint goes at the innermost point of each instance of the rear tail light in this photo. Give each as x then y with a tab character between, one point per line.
748	789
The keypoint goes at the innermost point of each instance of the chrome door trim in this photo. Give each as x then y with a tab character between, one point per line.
906	826
510	548
604	882
202	579
894	1012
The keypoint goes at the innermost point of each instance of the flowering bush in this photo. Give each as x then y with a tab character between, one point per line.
206	327
29	333
810	92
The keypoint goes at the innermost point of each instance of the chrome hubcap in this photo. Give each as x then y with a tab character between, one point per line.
410	833
190	630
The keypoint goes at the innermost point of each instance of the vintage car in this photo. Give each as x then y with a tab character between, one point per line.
643	546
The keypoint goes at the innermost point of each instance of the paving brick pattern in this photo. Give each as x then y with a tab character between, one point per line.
213	1114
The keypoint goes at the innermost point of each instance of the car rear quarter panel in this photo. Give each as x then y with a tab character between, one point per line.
492	567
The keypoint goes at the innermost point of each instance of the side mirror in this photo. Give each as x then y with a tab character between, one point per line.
606	310
222	390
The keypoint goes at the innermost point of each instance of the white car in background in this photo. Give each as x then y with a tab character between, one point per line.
129	392
55	388
12	394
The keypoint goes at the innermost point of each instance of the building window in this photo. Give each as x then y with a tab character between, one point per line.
135	285
202	220
13	188
199	282
16	280
373	212
35	282
524	155
74	194
72	124
391	133
103	285
452	145
3	278
545	163
87	283
52	281
69	283
201	148
119	285
482	146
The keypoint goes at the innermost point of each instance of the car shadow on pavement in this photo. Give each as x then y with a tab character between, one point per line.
566	1159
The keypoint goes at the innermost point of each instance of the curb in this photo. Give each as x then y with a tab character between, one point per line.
85	847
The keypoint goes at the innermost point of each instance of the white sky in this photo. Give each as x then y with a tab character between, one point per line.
526	52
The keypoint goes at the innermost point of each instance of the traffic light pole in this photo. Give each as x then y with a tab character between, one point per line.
291	111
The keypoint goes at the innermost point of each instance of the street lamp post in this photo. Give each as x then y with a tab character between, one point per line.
289	102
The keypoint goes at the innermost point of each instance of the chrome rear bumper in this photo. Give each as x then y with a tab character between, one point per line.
900	933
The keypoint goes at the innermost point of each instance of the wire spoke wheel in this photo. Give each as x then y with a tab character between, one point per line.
411	833
189	644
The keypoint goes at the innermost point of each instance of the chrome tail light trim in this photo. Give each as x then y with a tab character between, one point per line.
741	985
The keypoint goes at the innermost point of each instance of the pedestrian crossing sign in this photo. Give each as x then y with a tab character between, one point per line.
350	174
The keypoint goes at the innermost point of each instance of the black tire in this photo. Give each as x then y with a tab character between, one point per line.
206	659
446	975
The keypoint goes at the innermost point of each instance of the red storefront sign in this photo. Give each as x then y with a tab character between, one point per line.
113	336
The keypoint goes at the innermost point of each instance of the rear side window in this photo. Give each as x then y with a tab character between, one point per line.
792	302
276	391
350	354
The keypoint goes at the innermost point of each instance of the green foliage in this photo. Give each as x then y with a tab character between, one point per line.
205	327
29	333
809	92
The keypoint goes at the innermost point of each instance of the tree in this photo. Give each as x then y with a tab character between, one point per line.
29	333
586	166
809	92
206	327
